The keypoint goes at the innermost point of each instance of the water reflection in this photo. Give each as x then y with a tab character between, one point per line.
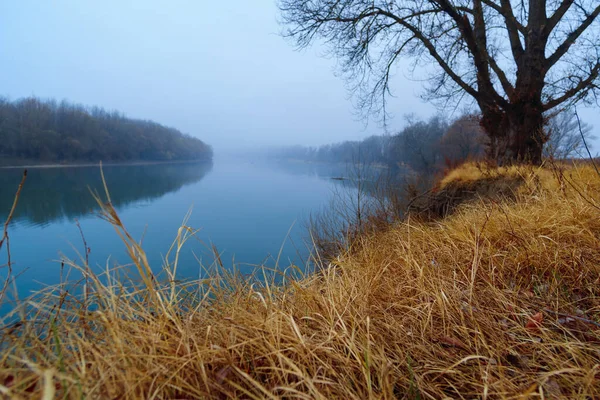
320	170
52	194
368	178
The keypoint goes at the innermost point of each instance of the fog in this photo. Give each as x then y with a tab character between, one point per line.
217	70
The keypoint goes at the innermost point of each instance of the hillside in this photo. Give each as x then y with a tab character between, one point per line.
37	131
496	297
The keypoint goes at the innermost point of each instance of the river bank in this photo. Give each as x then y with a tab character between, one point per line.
496	297
29	164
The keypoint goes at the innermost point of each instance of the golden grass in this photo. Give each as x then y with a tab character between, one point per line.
473	171
476	172
498	300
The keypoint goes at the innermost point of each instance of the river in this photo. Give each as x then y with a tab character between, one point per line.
252	213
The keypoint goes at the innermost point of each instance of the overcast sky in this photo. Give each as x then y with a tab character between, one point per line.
217	70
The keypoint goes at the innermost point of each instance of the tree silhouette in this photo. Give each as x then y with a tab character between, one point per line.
34	130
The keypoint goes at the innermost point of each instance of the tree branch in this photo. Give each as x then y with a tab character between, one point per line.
579	89
513	28
506	85
571	38
481	37
557	16
476	40
498	8
432	51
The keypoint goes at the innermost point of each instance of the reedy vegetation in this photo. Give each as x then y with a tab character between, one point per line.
498	300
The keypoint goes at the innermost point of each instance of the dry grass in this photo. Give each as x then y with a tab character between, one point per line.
477	181
498	300
472	172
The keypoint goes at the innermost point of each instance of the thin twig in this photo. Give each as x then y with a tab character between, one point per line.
585	143
87	261
584	197
85	245
12	210
587	321
5	236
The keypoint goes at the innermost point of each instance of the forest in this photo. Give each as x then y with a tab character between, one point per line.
33	130
428	146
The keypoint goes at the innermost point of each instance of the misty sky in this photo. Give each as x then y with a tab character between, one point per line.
217	70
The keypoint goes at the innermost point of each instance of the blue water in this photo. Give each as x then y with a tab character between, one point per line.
250	212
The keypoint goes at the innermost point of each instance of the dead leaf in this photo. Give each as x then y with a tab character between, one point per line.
452	342
535	322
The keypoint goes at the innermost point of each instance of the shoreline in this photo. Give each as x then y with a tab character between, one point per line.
97	164
336	163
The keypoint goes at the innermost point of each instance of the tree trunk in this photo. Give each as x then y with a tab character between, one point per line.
516	126
527	136
516	135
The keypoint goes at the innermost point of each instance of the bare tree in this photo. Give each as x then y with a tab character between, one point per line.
518	59
418	144
464	140
565	138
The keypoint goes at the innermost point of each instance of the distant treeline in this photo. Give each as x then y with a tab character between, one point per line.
421	146
38	130
428	146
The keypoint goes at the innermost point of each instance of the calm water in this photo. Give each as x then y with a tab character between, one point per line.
245	209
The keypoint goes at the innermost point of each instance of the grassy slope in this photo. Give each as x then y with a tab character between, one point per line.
500	299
